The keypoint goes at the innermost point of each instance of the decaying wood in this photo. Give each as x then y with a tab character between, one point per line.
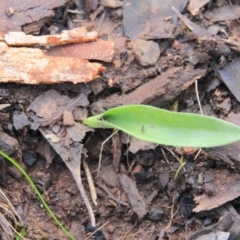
101	50
76	35
32	66
117	154
162	88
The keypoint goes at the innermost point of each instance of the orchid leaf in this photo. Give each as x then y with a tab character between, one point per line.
168	128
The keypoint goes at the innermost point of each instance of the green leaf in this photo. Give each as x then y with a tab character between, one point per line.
166	127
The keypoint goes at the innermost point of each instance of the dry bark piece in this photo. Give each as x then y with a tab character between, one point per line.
2	106
8	144
138	203
162	88
227	188
27	12
117	154
39	68
76	35
98	50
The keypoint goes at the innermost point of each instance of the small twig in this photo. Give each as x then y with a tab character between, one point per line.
76	11
97	230
78	180
6	226
131	166
172	214
200	108
100	155
78	20
2	106
90	182
198	99
199	151
230	3
10	205
10	226
175	156
7	210
164	155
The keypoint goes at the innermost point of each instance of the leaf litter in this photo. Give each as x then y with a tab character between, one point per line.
165	82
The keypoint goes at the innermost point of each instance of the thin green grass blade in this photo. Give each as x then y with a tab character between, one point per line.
166	127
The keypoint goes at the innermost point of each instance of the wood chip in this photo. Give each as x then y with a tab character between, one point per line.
98	50
76	35
32	66
160	89
117	154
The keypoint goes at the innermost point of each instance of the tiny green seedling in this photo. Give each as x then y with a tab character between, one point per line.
166	127
182	164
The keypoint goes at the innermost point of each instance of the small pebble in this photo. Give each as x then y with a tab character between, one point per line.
209	189
146	52
20	120
208	176
29	158
68	119
10	11
207	221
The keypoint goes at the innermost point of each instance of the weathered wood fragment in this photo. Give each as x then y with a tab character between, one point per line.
76	35
32	66
161	89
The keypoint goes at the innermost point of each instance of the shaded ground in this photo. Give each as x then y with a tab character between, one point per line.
159	72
